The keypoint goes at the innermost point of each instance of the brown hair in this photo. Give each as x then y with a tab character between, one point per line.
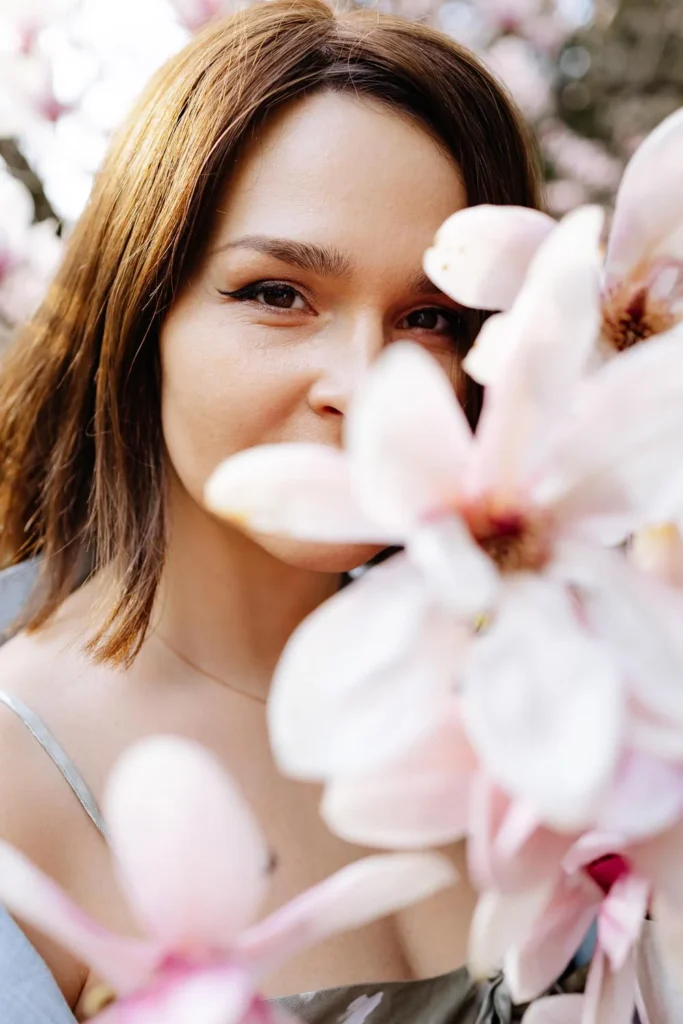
81	447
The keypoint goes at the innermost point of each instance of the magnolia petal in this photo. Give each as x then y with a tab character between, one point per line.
297	490
408	440
376	653
533	966
610	995
647	797
507	849
490	350
458	572
659	968
358	894
556	317
481	254
168	794
543	705
501	922
123	963
616	468
218	995
659	859
621	917
640	620
420	800
556	1010
649	204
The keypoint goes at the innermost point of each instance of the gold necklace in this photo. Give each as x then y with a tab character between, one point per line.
208	675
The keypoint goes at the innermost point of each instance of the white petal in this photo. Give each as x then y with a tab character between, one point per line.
218	995
502	921
124	963
532	966
481	254
408	439
610	995
364	676
646	799
640	619
491	349
543	705
617	468
659	966
188	847
621	918
420	800
649	204
459	574
299	490
556	315
362	892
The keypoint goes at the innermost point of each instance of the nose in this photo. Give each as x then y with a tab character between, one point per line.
346	356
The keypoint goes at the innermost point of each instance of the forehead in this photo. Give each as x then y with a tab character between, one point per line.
335	169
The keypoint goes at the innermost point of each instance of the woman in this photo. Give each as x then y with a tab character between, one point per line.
254	239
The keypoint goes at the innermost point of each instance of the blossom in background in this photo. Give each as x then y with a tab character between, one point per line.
194	865
28	17
506	527
642	289
29	253
195	14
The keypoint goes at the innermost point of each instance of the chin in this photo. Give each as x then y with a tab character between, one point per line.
328	558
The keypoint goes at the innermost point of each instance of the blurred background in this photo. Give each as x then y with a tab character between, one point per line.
591	76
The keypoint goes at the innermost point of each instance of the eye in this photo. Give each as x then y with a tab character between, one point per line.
271	294
433	319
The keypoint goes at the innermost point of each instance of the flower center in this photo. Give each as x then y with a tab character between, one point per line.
632	313
607	870
514	540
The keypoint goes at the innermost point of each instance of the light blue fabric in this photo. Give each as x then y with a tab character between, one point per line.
28	992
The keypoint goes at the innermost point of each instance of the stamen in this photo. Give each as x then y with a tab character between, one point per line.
515	541
632	314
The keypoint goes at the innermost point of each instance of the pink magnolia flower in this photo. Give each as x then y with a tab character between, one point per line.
481	255
602	881
505	527
194	865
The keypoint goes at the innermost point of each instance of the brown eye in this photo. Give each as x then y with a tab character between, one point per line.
281	296
439	321
271	294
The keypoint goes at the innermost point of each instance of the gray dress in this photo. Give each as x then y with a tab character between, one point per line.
29	994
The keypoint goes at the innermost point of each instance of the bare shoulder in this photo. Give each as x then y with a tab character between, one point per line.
38	813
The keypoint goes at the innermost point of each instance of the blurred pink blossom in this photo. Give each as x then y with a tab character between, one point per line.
29	253
516	64
194	865
505	527
642	277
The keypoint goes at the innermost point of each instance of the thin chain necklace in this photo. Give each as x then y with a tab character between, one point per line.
272	861
209	675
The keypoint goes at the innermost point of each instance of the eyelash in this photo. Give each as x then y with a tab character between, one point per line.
250	292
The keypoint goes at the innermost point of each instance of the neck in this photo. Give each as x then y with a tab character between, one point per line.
225	605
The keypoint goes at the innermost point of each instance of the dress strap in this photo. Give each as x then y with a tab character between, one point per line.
59	757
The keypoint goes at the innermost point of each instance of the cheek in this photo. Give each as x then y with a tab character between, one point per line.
220	395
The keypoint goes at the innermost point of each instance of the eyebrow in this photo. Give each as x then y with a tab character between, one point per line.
318	259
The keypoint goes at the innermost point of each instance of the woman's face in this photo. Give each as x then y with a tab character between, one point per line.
313	267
